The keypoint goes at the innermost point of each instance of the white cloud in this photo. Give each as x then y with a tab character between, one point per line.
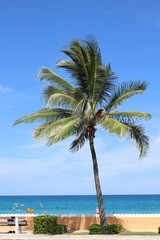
122	172
5	89
33	145
126	159
38	169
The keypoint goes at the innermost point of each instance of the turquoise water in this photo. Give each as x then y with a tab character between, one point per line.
80	204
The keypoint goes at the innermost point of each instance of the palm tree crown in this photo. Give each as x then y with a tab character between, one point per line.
91	100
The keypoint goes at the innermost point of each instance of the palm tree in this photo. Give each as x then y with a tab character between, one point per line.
92	100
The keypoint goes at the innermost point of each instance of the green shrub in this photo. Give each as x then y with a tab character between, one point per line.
115	228
95	229
48	225
109	229
59	229
159	230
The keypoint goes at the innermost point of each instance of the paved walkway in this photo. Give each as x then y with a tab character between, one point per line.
73	237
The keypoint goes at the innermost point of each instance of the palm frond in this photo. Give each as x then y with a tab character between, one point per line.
115	127
76	65
93	61
39	130
46	74
137	133
104	84
51	128
57	97
63	131
93	50
82	107
61	99
128	116
101	77
77	94
45	115
127	130
85	66
79	142
50	96
123	92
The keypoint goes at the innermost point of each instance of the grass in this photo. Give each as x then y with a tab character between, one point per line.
140	233
123	233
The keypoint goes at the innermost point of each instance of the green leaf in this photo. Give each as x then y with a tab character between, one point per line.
127	130
79	142
63	131
57	97
76	65
44	115
129	116
115	127
104	84
46	130
46	74
137	133
123	92
53	96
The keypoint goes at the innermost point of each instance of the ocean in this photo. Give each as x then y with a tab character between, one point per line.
146	204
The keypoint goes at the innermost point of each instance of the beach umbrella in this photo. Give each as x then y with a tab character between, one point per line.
97	211
29	210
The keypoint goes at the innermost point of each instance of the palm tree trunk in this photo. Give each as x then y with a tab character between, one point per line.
103	219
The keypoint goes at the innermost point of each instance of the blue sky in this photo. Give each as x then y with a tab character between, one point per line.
32	33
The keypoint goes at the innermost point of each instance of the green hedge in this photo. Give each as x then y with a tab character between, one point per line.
59	229
48	225
109	229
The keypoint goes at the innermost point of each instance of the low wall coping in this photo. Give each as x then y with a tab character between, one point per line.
82	215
